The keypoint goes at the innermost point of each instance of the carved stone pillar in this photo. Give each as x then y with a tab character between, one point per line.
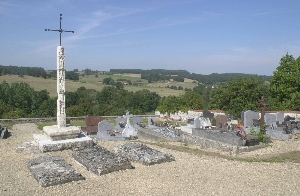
61	88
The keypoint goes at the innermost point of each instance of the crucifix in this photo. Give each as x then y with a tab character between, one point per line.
263	105
61	87
59	30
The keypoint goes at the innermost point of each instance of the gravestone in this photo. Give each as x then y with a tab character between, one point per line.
128	131
100	161
107	132
93	120
221	121
141	153
249	116
280	117
3	132
137	120
197	122
52	170
201	122
152	120
270	118
208	114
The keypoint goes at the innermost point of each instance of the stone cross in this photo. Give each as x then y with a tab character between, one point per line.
59	30
263	105
127	116
61	88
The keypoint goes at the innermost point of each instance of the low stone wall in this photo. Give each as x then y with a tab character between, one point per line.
144	133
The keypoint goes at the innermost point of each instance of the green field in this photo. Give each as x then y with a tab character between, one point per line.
92	82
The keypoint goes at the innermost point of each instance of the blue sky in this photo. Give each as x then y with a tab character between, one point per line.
200	36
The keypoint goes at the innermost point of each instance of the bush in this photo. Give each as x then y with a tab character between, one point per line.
261	137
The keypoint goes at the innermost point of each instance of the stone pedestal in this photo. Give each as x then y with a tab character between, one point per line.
61	133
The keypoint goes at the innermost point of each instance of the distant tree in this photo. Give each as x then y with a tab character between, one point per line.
285	84
119	85
239	94
108	81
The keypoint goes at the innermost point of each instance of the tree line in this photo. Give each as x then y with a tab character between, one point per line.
282	92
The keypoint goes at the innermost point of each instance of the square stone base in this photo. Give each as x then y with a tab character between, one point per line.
61	133
47	145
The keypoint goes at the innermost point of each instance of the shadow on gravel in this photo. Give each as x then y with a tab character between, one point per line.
293	156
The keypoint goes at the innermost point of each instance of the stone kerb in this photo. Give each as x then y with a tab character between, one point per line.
100	161
141	153
50	171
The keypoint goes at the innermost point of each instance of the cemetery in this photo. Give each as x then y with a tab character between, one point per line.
127	155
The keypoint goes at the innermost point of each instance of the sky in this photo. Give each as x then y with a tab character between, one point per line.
200	36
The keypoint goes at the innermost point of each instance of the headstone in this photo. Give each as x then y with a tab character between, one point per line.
52	170
137	120
249	116
208	114
152	120
107	132
270	118
105	126
221	121
143	154
280	117
100	161
201	122
197	122
128	131
93	120
3	132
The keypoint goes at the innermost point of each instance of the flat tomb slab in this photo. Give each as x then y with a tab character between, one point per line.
143	154
61	133
52	170
48	145
100	161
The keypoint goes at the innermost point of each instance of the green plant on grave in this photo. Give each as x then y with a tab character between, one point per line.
213	122
260	135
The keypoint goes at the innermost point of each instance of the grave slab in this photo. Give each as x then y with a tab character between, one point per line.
143	154
52	170
100	161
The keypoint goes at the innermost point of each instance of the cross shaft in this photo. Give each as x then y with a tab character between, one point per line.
60	30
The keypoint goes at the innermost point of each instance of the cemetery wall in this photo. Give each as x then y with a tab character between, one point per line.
294	114
184	116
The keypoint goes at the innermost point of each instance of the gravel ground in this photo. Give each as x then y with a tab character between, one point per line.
188	175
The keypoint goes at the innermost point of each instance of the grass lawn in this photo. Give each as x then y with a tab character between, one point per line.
92	82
